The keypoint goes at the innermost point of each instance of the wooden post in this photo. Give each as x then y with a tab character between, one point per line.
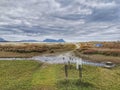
77	65
66	71
69	64
64	60
80	72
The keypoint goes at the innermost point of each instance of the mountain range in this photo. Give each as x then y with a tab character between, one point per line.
28	41
53	40
46	40
2	40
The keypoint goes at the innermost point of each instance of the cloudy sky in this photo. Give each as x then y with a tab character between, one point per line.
72	20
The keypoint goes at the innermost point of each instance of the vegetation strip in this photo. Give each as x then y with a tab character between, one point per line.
32	75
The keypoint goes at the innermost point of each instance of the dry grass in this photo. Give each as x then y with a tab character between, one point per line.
102	51
110	51
98	57
110	45
29	50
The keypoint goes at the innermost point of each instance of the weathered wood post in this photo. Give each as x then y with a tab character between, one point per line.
79	68
80	72
69	64
77	64
66	71
63	58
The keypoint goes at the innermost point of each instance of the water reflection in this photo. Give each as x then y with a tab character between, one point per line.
62	59
58	59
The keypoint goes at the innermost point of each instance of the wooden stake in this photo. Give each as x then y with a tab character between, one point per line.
66	71
69	64
80	72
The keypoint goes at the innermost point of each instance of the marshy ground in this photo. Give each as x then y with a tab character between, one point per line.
36	75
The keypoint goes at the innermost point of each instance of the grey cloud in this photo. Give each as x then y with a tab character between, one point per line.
104	15
73	20
65	3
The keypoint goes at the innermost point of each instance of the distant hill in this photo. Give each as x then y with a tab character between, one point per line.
28	41
53	40
46	40
2	40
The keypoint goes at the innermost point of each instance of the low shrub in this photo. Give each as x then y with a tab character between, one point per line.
108	52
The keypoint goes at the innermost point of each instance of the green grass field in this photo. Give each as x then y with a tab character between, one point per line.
32	75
